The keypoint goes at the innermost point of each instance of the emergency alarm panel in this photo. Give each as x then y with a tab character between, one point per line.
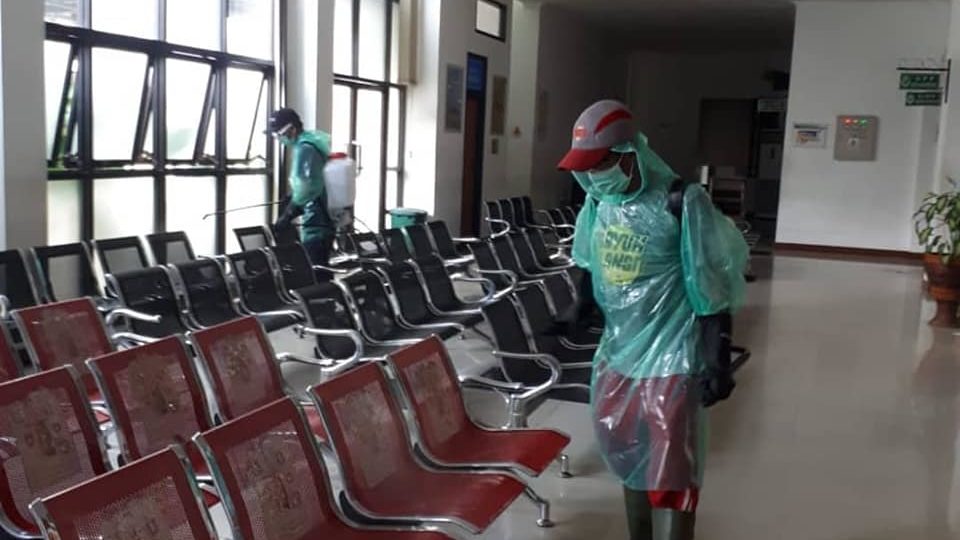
856	138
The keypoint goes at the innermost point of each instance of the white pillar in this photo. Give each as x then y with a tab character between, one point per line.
522	100
310	61
948	158
23	166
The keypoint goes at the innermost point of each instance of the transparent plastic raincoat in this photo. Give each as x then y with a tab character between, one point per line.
308	192
653	276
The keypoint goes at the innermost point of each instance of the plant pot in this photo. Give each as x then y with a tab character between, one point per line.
944	288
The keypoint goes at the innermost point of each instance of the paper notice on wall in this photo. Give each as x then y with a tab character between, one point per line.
810	135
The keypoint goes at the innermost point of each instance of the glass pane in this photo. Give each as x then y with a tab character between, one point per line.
56	55
245	190
122	207
369	129
340	137
250	28
392	184
343	37
186	89
194	22
63	212
489	18
393	134
189	198
395	43
137	18
210	145
62	12
258	144
243	88
373	39
117	85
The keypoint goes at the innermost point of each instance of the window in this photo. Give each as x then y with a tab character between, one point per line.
492	19
154	109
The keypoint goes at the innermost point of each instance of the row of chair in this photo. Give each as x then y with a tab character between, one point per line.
263	462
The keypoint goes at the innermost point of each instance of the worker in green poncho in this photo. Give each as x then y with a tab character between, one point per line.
308	194
667	271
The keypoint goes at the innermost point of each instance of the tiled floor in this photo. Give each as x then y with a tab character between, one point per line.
843	427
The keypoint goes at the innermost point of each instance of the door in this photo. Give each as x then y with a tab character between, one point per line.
474	132
726	133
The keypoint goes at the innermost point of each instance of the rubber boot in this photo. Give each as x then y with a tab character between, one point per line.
673	524
639	514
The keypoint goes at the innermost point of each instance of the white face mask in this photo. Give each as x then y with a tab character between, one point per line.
611	181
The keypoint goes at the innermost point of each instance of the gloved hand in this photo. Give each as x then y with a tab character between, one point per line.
717	383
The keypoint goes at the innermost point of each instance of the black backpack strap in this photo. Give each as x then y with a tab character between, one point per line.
675	197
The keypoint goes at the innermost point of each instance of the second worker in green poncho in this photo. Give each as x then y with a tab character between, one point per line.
667	270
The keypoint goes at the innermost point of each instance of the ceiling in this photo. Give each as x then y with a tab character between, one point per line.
671	24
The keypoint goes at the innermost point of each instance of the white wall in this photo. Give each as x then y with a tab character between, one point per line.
310	61
434	164
844	62
521	102
666	89
23	166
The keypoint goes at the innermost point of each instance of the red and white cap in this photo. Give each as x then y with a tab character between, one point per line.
602	126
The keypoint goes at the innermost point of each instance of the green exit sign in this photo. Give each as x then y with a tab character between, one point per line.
924	99
920	81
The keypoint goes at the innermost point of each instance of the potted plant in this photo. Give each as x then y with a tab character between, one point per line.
937	224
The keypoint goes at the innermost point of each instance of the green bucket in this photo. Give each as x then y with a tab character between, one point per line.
405	217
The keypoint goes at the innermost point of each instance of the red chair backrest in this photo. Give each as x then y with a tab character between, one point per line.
64	334
8	362
154	395
241	366
431	383
48	442
270	474
366	427
151	499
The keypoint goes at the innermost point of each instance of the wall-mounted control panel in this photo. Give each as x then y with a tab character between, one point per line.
856	138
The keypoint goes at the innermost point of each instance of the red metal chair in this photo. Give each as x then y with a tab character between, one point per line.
242	368
273	482
48	442
384	480
155	397
65	334
446	433
155	498
9	369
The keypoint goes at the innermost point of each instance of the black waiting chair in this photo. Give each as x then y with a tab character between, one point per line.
378	320
395	243
570	214
495	222
118	255
16	282
452	251
171	247
522	364
331	322
296	270
506	209
544	329
507	257
442	297
420	241
66	272
151	292
258	287
490	268
413	306
251	238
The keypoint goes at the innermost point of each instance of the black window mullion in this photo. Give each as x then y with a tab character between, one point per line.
160	144
355	69
221	156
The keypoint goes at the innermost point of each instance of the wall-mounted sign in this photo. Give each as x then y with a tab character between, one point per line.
924	99
810	135
921	80
453	110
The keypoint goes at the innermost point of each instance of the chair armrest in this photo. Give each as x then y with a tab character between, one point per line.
4	307
132	339
476	381
490	290
295	358
543	360
337	271
292	313
112	317
577	365
577	346
467	240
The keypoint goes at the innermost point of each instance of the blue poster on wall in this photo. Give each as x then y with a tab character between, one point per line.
476	74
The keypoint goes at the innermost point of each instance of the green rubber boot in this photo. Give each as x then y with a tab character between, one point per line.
639	514
673	524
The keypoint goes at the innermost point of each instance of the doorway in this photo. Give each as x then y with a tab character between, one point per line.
474	132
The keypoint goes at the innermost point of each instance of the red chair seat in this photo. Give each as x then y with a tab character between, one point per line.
474	498
533	449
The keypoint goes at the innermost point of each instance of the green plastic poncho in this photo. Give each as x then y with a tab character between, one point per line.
308	189
652	277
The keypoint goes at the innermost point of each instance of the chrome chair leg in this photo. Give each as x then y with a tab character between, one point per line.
565	466
544	521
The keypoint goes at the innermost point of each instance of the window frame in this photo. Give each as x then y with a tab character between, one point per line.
75	117
502	9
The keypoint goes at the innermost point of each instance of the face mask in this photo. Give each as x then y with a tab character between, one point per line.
612	181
